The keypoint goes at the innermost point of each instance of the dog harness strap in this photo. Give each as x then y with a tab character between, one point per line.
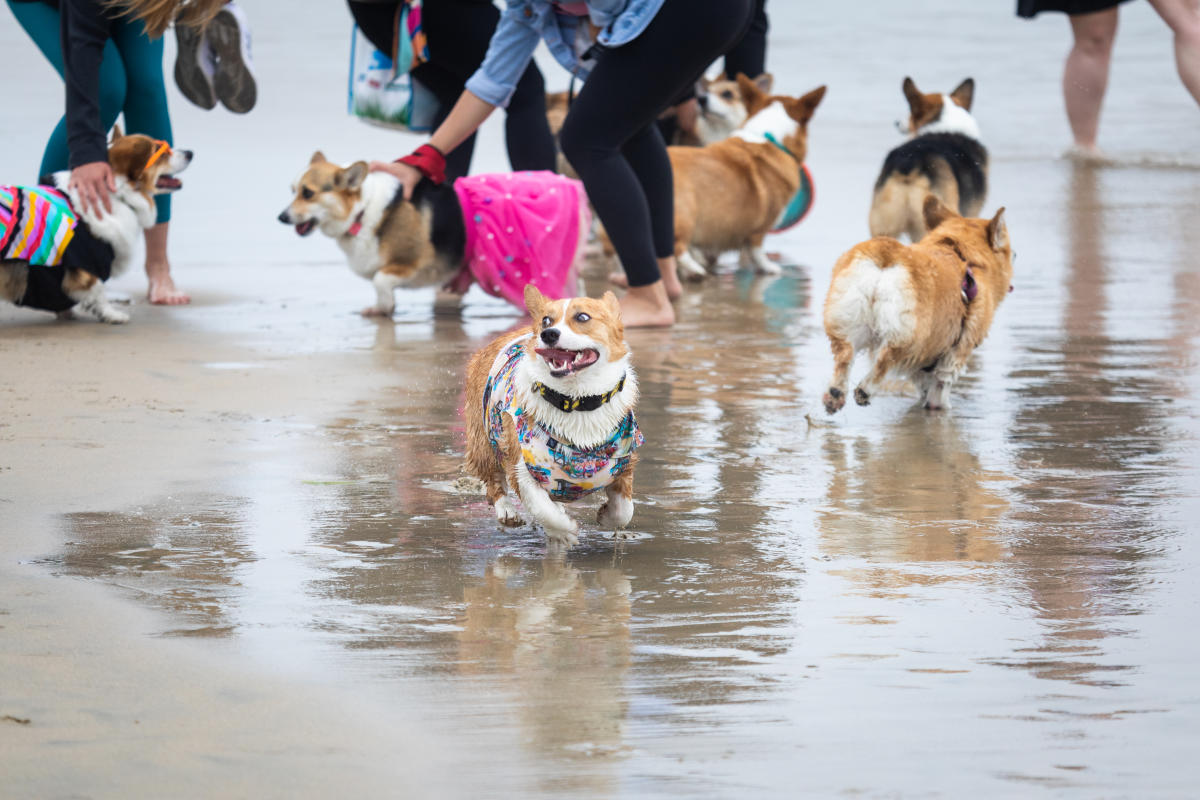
429	160
564	402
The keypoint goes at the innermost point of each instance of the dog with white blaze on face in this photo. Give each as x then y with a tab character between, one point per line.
921	310
549	413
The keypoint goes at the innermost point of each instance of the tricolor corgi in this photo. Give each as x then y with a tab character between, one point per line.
502	231
944	157
730	194
920	309
55	255
549	413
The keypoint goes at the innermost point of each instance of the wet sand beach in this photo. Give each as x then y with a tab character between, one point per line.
237	560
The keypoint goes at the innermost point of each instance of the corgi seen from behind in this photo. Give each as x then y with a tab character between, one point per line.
921	309
944	157
549	414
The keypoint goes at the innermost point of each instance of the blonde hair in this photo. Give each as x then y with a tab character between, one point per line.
157	15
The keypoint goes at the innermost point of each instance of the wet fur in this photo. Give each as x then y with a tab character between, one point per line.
944	157
904	304
604	332
729	195
133	210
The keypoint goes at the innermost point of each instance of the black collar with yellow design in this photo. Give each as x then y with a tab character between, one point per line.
566	403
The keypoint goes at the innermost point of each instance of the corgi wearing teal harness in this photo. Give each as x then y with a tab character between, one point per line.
730	195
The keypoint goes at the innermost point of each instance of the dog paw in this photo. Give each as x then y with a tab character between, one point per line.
564	537
834	400
861	397
615	514
764	267
506	513
114	317
372	311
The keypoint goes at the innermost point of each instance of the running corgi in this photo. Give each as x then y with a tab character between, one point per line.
921	309
549	414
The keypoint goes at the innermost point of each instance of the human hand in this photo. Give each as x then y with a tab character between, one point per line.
687	114
408	176
94	184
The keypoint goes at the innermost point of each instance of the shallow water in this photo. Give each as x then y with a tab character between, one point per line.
993	600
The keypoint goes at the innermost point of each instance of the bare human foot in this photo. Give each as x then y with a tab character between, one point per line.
647	307
162	288
668	271
1086	154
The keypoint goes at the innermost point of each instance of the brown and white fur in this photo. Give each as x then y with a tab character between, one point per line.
730	194
581	324
944	156
909	304
392	242
133	211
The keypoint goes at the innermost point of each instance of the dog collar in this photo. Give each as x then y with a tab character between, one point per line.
163	147
568	404
356	226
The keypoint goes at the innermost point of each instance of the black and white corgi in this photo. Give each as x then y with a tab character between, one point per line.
944	157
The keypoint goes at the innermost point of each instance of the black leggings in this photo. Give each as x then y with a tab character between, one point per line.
458	32
610	137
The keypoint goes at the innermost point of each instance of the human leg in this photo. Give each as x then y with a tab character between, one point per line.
1085	77
526	129
749	56
146	112
1183	17
41	22
629	87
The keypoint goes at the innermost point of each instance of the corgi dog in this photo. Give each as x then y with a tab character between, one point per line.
502	231
943	157
549	413
55	255
730	194
921	309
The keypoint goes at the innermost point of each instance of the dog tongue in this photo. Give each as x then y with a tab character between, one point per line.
557	357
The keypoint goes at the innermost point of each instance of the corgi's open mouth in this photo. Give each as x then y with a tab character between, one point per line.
306	227
168	183
564	362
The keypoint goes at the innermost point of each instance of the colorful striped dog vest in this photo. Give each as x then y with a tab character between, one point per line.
36	224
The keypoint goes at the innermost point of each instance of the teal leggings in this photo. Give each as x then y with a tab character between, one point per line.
131	80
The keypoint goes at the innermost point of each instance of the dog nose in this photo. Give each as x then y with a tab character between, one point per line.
550	336
187	154
285	218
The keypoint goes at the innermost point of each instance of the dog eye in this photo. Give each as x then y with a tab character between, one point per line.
547	322
306	193
582	317
726	95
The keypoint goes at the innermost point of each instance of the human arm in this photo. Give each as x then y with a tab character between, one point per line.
85	31
509	53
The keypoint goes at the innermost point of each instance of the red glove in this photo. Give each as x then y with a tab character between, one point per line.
429	160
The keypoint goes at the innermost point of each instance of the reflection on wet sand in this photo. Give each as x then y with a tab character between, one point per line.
183	558
1092	427
918	496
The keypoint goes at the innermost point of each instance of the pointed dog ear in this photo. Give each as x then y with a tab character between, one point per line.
754	96
116	133
998	231
964	93
535	302
317	158
912	94
765	82
614	305
936	212
352	176
807	105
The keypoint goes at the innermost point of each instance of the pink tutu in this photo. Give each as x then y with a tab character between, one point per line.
522	228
